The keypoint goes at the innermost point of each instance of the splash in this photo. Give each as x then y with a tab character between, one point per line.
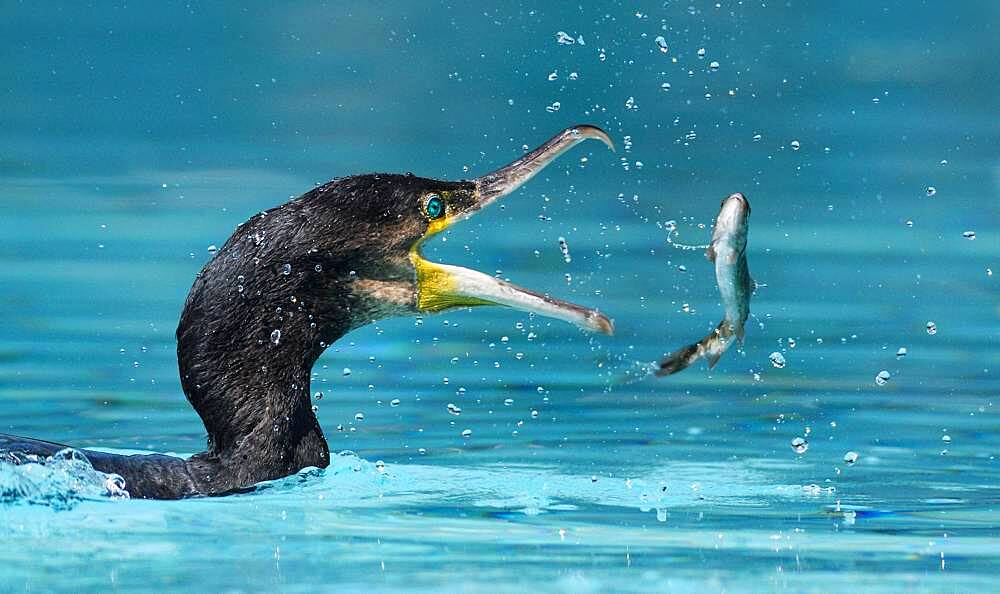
59	481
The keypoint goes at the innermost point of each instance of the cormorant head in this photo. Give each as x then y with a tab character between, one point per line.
391	216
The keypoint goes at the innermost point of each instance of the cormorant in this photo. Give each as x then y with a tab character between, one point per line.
291	281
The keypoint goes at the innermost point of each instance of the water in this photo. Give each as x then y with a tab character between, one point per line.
137	136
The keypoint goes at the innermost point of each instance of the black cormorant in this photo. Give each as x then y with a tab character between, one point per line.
290	282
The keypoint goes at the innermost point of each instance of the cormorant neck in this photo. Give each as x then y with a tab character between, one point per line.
287	284
248	337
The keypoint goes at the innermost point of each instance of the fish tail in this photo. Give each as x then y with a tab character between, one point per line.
680	359
711	348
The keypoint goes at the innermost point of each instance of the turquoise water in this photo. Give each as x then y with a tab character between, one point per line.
134	137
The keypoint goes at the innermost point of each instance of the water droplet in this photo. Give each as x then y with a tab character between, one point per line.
553	75
777	359
275	336
359	416
573	76
713	66
901	352
454	409
701	52
318	395
534	414
394	402
946	438
380	466
508	401
467	433
212	249
661	43
850	458
347	371
931	328
970	235
554	107
796	145
931	190
564	248
882	378
665	87
757	137
800	445
286	269
564	38
319	268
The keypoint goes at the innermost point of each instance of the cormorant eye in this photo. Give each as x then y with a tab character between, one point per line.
434	207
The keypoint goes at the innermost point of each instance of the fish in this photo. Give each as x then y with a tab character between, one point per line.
728	252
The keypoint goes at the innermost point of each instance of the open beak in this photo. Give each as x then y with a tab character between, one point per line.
441	286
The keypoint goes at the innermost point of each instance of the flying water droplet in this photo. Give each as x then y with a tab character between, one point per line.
286	269
800	445
713	66
564	248
931	328
564	38
212	250
394	402
970	235
454	409
901	352
467	433
661	43
850	458
931	191
359	416
882	378
777	359
275	336
554	107
347	371
796	145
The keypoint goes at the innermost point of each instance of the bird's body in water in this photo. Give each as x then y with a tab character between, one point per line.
290	282
728	252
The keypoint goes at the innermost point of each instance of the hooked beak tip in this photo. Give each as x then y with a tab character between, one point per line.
588	131
601	323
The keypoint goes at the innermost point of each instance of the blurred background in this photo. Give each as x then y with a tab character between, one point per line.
136	136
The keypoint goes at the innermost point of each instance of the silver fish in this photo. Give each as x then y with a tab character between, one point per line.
728	252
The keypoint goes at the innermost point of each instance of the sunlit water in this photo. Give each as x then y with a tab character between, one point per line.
135	138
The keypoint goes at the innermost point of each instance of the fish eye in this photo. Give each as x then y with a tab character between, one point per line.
434	207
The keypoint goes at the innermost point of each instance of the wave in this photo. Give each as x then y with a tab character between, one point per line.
59	481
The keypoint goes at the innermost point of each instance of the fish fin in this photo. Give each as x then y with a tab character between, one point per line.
710	253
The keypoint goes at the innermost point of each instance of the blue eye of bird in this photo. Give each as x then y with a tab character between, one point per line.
435	207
